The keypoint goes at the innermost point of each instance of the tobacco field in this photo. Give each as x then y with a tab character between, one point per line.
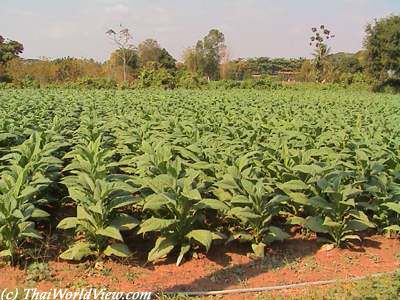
186	169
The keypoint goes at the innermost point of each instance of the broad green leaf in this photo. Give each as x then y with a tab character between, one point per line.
156	224
316	224
110	231
299	198
294	220
308	169
394	228
362	217
125	222
240	199
161	182
222	195
119	249
192	194
248	186
361	155
212	204
227	182
356	225
78	251
293	185
27	229
122	201
328	222
393	206
5	253
279	199
243	213
162	247
276	234
240	236
38	213
68	223
155	202
204	237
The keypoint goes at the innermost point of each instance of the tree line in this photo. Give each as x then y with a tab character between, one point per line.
150	64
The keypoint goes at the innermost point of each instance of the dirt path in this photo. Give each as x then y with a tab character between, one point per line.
296	260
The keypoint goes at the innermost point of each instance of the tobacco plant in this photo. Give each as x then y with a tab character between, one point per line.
337	213
252	205
26	174
178	209
98	198
327	160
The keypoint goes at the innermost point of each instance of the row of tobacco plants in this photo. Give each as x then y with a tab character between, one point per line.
185	169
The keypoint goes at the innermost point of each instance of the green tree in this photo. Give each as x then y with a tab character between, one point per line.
205	57
167	60
307	72
239	69
9	49
191	60
382	43
265	66
154	75
209	53
345	62
151	51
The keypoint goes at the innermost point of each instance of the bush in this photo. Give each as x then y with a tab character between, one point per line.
29	82
356	79
225	84
4	85
259	84
127	85
5	78
190	80
94	83
391	86
153	75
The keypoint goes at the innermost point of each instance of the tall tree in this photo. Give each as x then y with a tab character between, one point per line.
9	49
206	56
149	51
382	43
321	49
190	60
209	53
123	40
345	62
167	60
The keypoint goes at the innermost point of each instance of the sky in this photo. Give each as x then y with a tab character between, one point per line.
273	28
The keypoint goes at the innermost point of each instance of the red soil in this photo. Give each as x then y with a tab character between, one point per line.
294	261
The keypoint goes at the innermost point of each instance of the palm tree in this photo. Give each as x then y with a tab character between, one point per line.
321	52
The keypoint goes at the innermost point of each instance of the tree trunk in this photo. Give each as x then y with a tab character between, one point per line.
124	67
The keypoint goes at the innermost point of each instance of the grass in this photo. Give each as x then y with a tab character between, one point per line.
37	272
386	287
382	288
